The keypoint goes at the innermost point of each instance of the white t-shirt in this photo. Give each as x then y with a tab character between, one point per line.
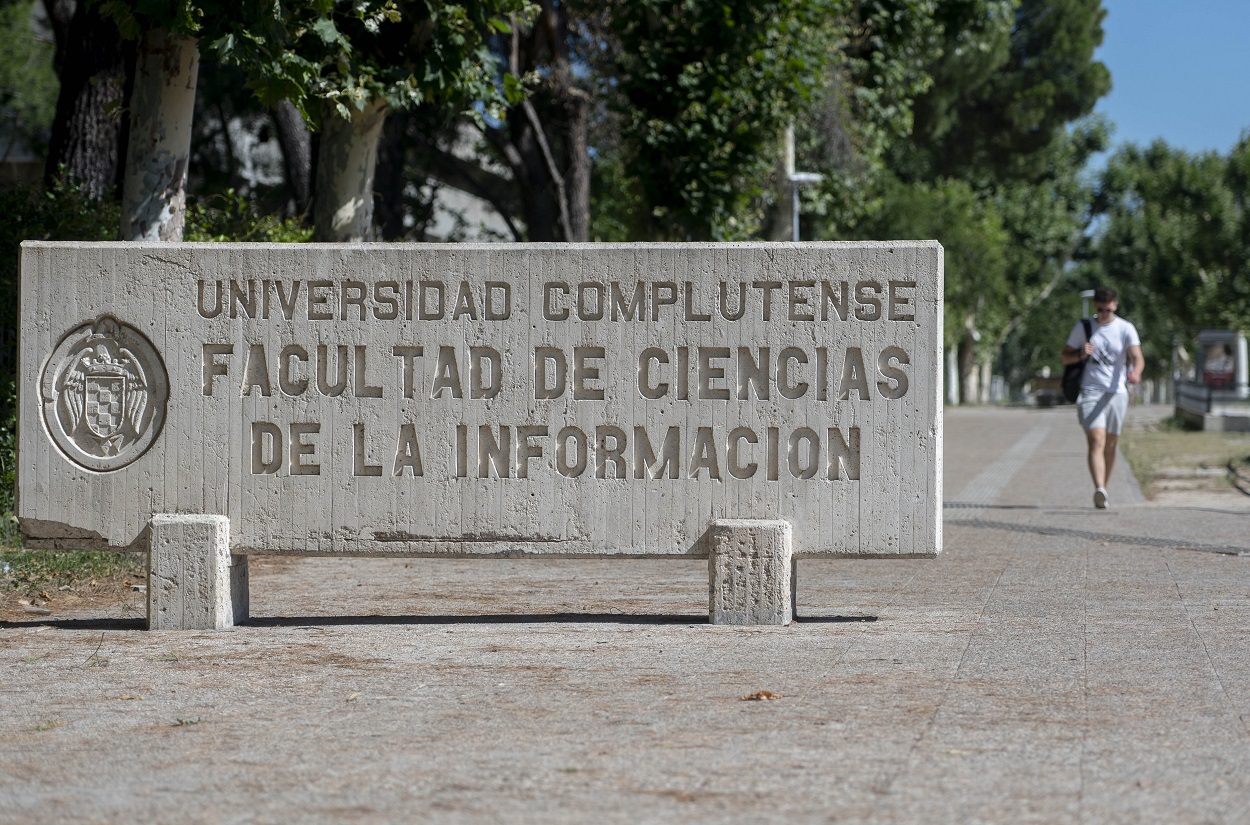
1107	368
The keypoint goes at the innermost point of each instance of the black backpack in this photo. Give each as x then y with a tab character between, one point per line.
1072	372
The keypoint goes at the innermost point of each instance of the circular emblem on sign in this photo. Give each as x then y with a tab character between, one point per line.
104	392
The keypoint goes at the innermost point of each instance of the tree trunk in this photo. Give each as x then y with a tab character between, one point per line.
86	144
61	15
579	166
967	364
541	210
343	201
296	143
552	176
162	107
388	200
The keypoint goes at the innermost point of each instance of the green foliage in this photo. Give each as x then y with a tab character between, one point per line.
231	217
134	18
1010	248
344	52
1047	220
1010	79
1174	238
890	44
615	205
704	90
64	212
348	52
1003	96
865	108
970	229
28	85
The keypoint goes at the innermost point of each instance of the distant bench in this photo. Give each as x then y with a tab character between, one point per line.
748	403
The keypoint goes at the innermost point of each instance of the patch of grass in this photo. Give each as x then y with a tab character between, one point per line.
1179	425
1170	449
32	571
9	533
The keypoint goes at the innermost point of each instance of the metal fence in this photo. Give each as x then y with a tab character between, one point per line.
1194	396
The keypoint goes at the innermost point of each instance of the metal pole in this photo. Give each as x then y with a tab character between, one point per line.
794	211
796	180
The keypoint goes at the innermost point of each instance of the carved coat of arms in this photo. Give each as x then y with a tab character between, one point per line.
104	394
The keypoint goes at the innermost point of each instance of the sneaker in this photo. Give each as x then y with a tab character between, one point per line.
1100	499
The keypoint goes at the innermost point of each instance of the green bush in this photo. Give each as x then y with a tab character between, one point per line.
231	217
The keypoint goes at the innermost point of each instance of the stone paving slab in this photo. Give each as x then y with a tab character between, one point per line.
1024	676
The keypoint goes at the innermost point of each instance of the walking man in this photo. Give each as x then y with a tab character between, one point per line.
1113	359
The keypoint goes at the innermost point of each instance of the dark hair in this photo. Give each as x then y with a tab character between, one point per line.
1103	294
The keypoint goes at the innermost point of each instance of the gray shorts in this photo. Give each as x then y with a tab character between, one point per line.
1096	409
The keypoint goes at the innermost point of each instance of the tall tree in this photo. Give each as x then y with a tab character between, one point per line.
27	82
87	129
704	91
297	153
864	109
1011	78
346	63
1174	238
976	257
1008	83
533	164
852	66
161	107
544	139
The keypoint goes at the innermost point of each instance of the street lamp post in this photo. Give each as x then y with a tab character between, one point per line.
796	179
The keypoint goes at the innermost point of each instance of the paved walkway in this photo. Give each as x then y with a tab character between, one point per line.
1056	665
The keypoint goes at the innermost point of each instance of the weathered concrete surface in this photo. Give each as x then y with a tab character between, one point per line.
750	572
1055	665
458	400
194	583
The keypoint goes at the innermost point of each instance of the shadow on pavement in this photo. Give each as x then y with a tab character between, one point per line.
78	624
1089	535
521	618
481	618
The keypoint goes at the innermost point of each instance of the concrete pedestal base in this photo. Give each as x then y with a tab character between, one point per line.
750	572
194	583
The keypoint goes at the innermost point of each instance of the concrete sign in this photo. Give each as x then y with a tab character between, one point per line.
484	399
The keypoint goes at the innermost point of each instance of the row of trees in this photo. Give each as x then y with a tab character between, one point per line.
961	120
1175	232
339	65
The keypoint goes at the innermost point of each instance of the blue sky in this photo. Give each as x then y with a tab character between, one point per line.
1180	71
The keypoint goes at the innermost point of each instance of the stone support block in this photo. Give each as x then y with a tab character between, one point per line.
194	583
750	572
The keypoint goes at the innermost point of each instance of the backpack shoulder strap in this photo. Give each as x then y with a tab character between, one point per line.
1089	329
